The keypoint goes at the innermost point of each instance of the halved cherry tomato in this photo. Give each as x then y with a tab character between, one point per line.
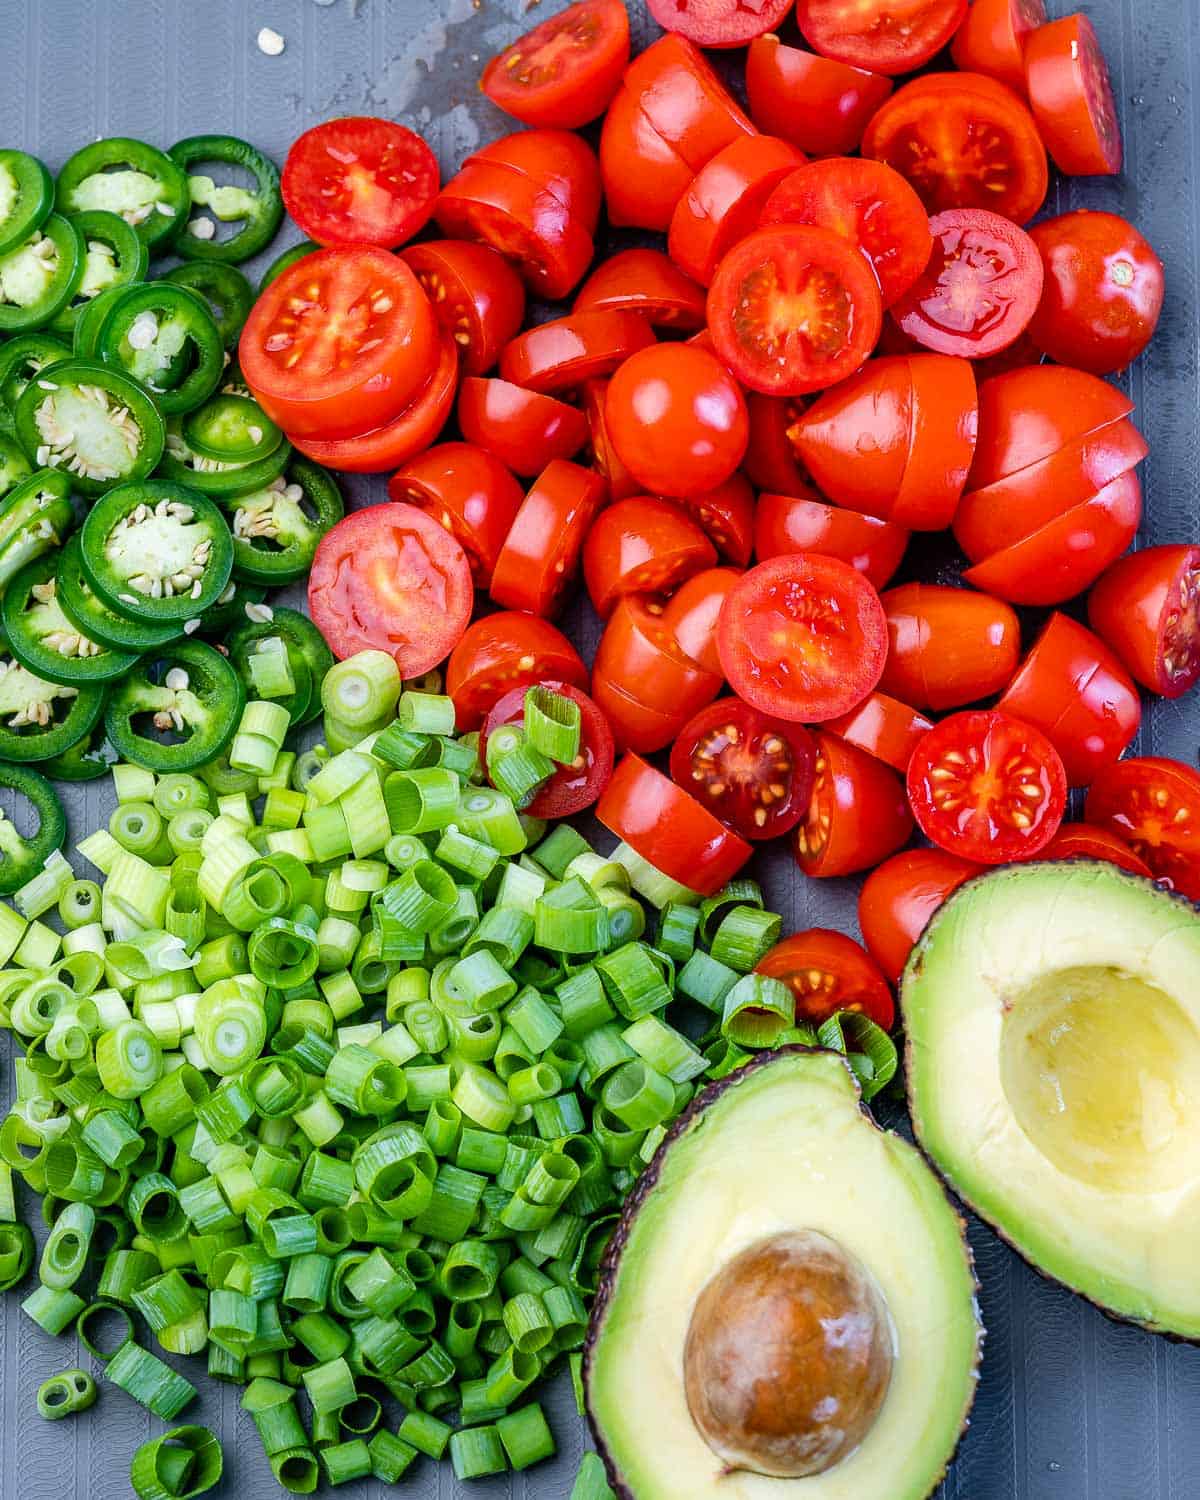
684	100
1077	693
794	309
642	545
770	461
604	457
992	39
988	787
469	492
865	202
506	651
541	552
644	281
573	787
1072	98
523	429
963	141
819	105
1147	608
563	353
894	38
945	417
858	814
339	343
565	71
948	646
980	289
785	524
389	578
643	681
644	176
829	972
803	637
692	612
726	515
1153	805
1082	841
558	160
635	725
898	899
476	296
359	180
855	438
883	727
677	419
719	23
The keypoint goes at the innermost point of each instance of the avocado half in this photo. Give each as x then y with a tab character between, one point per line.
1053	1021
781	1152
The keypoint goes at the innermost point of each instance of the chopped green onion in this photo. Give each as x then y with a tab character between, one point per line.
65	1395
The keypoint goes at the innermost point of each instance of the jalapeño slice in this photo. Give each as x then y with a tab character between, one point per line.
276	529
129	178
14	466
87	760
231	429
258	210
113	256
26	197
25	357
89	615
302	639
226	291
22	856
34	518
39	719
85	338
39	275
177	709
220	477
162	336
44	640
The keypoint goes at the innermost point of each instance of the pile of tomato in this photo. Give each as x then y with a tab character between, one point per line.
732	438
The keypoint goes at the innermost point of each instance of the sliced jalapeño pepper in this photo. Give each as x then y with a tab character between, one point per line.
24	357
39	719
26	197
226	291
162	336
259	210
34	518
230	609
177	709
214	475
248	643
22	857
231	429
44	640
14	466
113	256
276	530
39	275
287	258
126	177
96	620
304	643
85	338
87	760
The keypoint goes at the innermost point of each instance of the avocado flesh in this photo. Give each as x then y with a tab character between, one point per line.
778	1146
1053	1021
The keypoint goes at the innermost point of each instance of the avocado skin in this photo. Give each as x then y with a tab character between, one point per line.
649	1180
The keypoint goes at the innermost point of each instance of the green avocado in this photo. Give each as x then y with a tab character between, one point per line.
1053	1020
787	1308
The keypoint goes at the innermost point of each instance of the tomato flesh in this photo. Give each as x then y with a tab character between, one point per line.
1153	805
565	71
858	814
719	23
829	972
505	651
1147	608
573	787
475	294
890	36
1081	841
726	515
1072	98
469	492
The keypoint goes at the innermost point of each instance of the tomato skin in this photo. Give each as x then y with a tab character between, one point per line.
770	461
1146	607
647	282
883	727
684	100
872	37
900	896
601	453
563	353
692	612
718	23
858	814
558	160
644	682
1081	841
829	972
564	72
541	552
726	515
1152	804
855	438
573	787
642	545
1071	97
469	492
784	524
505	651
992	39
476	296
821	106
948	646
945	418
523	429
644	176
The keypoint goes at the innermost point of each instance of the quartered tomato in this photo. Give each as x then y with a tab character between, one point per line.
785	524
819	105
770	461
523	429
726	515
719	23
1072	98
858	814
565	71
829	972
992	39
643	681
563	353
883	727
947	646
475	294
1082	841
541	552
469	492
898	36
1153	805
692	612
642	545
505	651
647	282
1147	608
389	578
573	787
898	899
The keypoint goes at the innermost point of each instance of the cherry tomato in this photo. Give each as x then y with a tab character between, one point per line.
563	353
1153	805
1082	841
476	296
1103	291
1147	608
359	180
719	23
677	419
988	787
565	71
794	309
898	899
829	972
469	492
802	637
785	524
647	282
894	38
522	428
684	100
770	461
980	289
963	141
1077	693
641	546
643	681
389	578
1072	98
541	552
506	651
858	814
819	105
865	202
603	456
948	646
558	160
726	515
883	727
644	176
573	787
339	343
692	612
945	420
992	39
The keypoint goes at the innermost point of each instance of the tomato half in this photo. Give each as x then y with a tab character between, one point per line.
896	37
602	454
475	294
469	492
1147	608
883	727
359	180
684	100
563	353
987	787
945	425
647	282
1072	98
858	814
642	545
644	176
947	646
1153	805
829	972
819	105
1082	841
643	681
558	160
506	651
541	552
785	524
803	637
794	309
855	439
523	429
726	515
770	461
692	612
389	578
573	787
719	23
992	39
898	899
339	343
565	71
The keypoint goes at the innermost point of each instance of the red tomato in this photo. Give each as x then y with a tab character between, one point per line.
684	100
719	23
523	429
883	727
829	972
770	461
1072	99
992	39
506	651
641	546
1081	841
963	141
1147	608
858	814
1153	805
644	281
945	418
644	176
894	38
339	343
557	160
753	772
865	202
541	552
1029	414
980	289
794	309
692	612
565	71
726	514
677	419
359	180
573	787
1077	693
784	524
819	105
988	787
475	294
948	646
802	637
898	899
562	354
388	578
643	681
469	492
604	458
1103	292
1015	357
